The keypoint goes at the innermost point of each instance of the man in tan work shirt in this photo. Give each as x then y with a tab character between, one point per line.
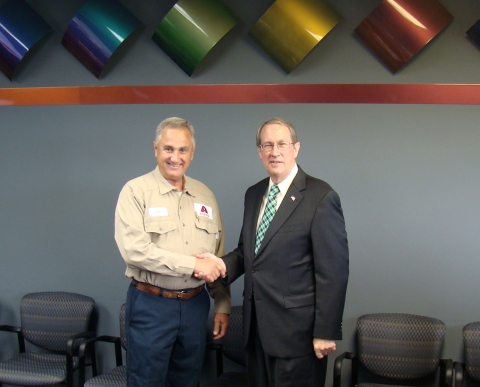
162	220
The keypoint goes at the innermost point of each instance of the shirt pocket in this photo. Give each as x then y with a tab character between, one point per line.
160	227
207	233
161	232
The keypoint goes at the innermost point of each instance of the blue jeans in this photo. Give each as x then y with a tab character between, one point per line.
165	339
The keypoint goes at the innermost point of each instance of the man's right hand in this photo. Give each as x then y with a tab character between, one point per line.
220	261
208	269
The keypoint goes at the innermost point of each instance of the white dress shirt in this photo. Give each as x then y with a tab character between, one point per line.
283	186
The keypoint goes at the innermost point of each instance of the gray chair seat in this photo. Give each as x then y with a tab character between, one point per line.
115	378
34	369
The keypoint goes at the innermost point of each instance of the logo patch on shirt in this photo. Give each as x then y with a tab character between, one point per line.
203	210
157	211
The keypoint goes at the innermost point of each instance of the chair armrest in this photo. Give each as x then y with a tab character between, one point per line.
214	346
18	331
337	368
84	346
72	348
10	328
446	373
459	373
88	346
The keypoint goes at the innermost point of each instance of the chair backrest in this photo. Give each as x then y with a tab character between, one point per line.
232	343
471	341
399	345
48	319
123	336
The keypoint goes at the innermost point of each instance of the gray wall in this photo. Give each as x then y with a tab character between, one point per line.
407	175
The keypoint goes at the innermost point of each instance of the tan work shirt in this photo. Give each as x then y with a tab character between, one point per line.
159	231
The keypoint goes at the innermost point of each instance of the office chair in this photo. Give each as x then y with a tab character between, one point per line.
233	349
471	368
396	349
116	377
55	322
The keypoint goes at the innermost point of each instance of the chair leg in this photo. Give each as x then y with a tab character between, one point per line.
354	380
69	365
219	361
446	372
459	373
93	359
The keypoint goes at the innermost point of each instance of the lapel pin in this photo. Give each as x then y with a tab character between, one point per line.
292	197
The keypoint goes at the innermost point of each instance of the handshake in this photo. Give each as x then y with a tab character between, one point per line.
209	267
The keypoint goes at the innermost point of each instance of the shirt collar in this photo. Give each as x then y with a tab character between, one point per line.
166	187
186	186
284	185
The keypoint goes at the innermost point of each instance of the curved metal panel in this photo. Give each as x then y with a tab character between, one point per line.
290	29
191	29
397	29
474	33
20	28
96	31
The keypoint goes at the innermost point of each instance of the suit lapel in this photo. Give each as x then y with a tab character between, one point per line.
292	199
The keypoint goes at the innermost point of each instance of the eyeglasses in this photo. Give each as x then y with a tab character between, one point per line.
268	147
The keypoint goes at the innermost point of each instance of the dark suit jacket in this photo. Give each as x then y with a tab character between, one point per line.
299	276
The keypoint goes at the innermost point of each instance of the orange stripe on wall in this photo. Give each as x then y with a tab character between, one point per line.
241	94
40	96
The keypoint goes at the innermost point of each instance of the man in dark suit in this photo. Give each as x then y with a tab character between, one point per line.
293	251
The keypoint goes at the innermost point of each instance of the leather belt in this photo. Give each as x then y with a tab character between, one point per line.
161	292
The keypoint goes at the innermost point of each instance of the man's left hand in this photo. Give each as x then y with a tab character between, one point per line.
323	347
221	323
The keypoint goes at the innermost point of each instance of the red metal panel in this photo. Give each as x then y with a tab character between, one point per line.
397	29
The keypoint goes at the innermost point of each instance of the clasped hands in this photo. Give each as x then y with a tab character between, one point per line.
209	267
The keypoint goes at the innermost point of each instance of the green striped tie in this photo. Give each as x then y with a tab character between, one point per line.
267	217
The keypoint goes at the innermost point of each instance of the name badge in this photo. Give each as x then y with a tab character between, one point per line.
157	211
203	210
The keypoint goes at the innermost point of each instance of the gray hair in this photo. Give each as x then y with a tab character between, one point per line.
278	121
174	122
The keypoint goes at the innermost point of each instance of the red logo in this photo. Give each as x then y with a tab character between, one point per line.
204	210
